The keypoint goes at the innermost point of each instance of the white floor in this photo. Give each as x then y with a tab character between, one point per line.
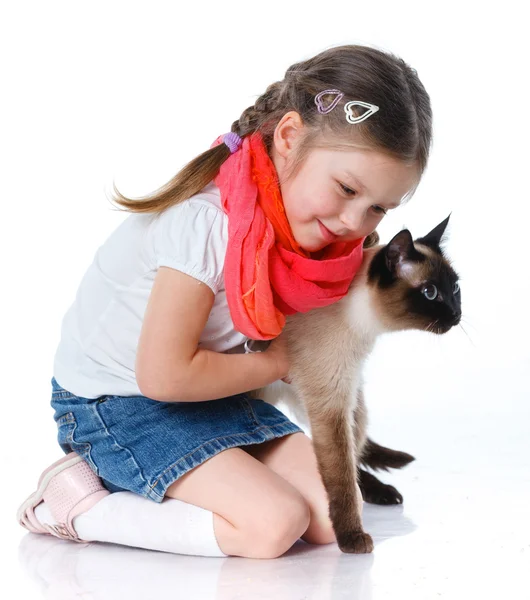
463	532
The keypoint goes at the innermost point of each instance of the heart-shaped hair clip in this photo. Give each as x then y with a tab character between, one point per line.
324	110
337	95
351	118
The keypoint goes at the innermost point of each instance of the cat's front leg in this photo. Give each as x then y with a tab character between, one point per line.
334	446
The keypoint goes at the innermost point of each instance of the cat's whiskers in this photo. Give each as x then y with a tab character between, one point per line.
468	322
460	324
431	326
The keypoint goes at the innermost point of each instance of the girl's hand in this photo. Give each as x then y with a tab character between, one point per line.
277	351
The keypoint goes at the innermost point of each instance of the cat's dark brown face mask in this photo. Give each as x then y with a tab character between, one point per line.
413	285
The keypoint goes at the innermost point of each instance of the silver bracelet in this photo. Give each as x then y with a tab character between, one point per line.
250	344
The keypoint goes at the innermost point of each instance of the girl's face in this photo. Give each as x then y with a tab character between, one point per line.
339	195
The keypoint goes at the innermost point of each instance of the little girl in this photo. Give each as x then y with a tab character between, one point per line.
164	448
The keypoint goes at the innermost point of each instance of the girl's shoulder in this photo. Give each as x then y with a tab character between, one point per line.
210	196
204	207
192	236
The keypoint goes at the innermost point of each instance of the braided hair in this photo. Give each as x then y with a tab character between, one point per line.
402	128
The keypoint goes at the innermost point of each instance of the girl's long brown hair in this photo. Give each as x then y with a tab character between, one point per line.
402	128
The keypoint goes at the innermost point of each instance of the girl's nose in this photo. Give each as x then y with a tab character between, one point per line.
353	219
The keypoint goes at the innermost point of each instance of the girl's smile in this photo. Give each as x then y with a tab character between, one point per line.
336	195
328	236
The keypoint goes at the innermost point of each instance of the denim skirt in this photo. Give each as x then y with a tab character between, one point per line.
137	444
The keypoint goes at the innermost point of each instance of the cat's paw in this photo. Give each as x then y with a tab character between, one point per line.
383	494
357	542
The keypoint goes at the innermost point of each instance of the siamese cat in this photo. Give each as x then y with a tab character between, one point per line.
406	284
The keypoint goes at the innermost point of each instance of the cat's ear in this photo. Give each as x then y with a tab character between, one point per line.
434	238
398	250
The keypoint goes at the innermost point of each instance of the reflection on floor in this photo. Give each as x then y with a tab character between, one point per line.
462	532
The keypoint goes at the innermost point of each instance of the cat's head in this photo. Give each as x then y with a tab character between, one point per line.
412	284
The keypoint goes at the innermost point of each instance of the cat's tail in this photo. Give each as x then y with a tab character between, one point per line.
380	458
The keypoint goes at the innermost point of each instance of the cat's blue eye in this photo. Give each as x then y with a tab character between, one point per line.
456	288
430	291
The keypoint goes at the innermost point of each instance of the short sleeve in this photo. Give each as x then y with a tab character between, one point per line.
191	237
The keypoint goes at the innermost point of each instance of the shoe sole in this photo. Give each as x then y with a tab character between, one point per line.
35	498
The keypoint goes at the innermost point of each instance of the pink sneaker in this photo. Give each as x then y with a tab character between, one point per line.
69	487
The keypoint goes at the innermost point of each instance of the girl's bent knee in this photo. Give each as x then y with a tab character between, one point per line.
274	537
320	533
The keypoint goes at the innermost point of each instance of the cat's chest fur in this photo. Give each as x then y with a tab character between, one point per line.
327	350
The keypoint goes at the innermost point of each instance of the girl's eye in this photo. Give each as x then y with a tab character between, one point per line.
380	210
347	190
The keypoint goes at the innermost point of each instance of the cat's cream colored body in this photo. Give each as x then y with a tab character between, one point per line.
327	348
351	321
284	397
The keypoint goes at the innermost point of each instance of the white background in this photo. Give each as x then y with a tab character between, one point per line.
130	91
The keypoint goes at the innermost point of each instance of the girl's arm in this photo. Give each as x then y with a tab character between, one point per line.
170	367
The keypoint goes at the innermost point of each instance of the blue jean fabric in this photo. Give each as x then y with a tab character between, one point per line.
142	445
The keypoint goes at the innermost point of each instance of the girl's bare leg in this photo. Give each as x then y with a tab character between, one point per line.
257	513
293	458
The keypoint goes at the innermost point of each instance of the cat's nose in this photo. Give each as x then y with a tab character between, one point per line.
456	317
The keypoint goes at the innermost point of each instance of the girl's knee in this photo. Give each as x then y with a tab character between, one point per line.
275	533
320	532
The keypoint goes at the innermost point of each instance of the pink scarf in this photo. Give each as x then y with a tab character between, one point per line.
267	274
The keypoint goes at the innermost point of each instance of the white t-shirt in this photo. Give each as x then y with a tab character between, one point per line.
100	331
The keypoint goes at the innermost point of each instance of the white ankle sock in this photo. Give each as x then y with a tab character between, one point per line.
132	520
